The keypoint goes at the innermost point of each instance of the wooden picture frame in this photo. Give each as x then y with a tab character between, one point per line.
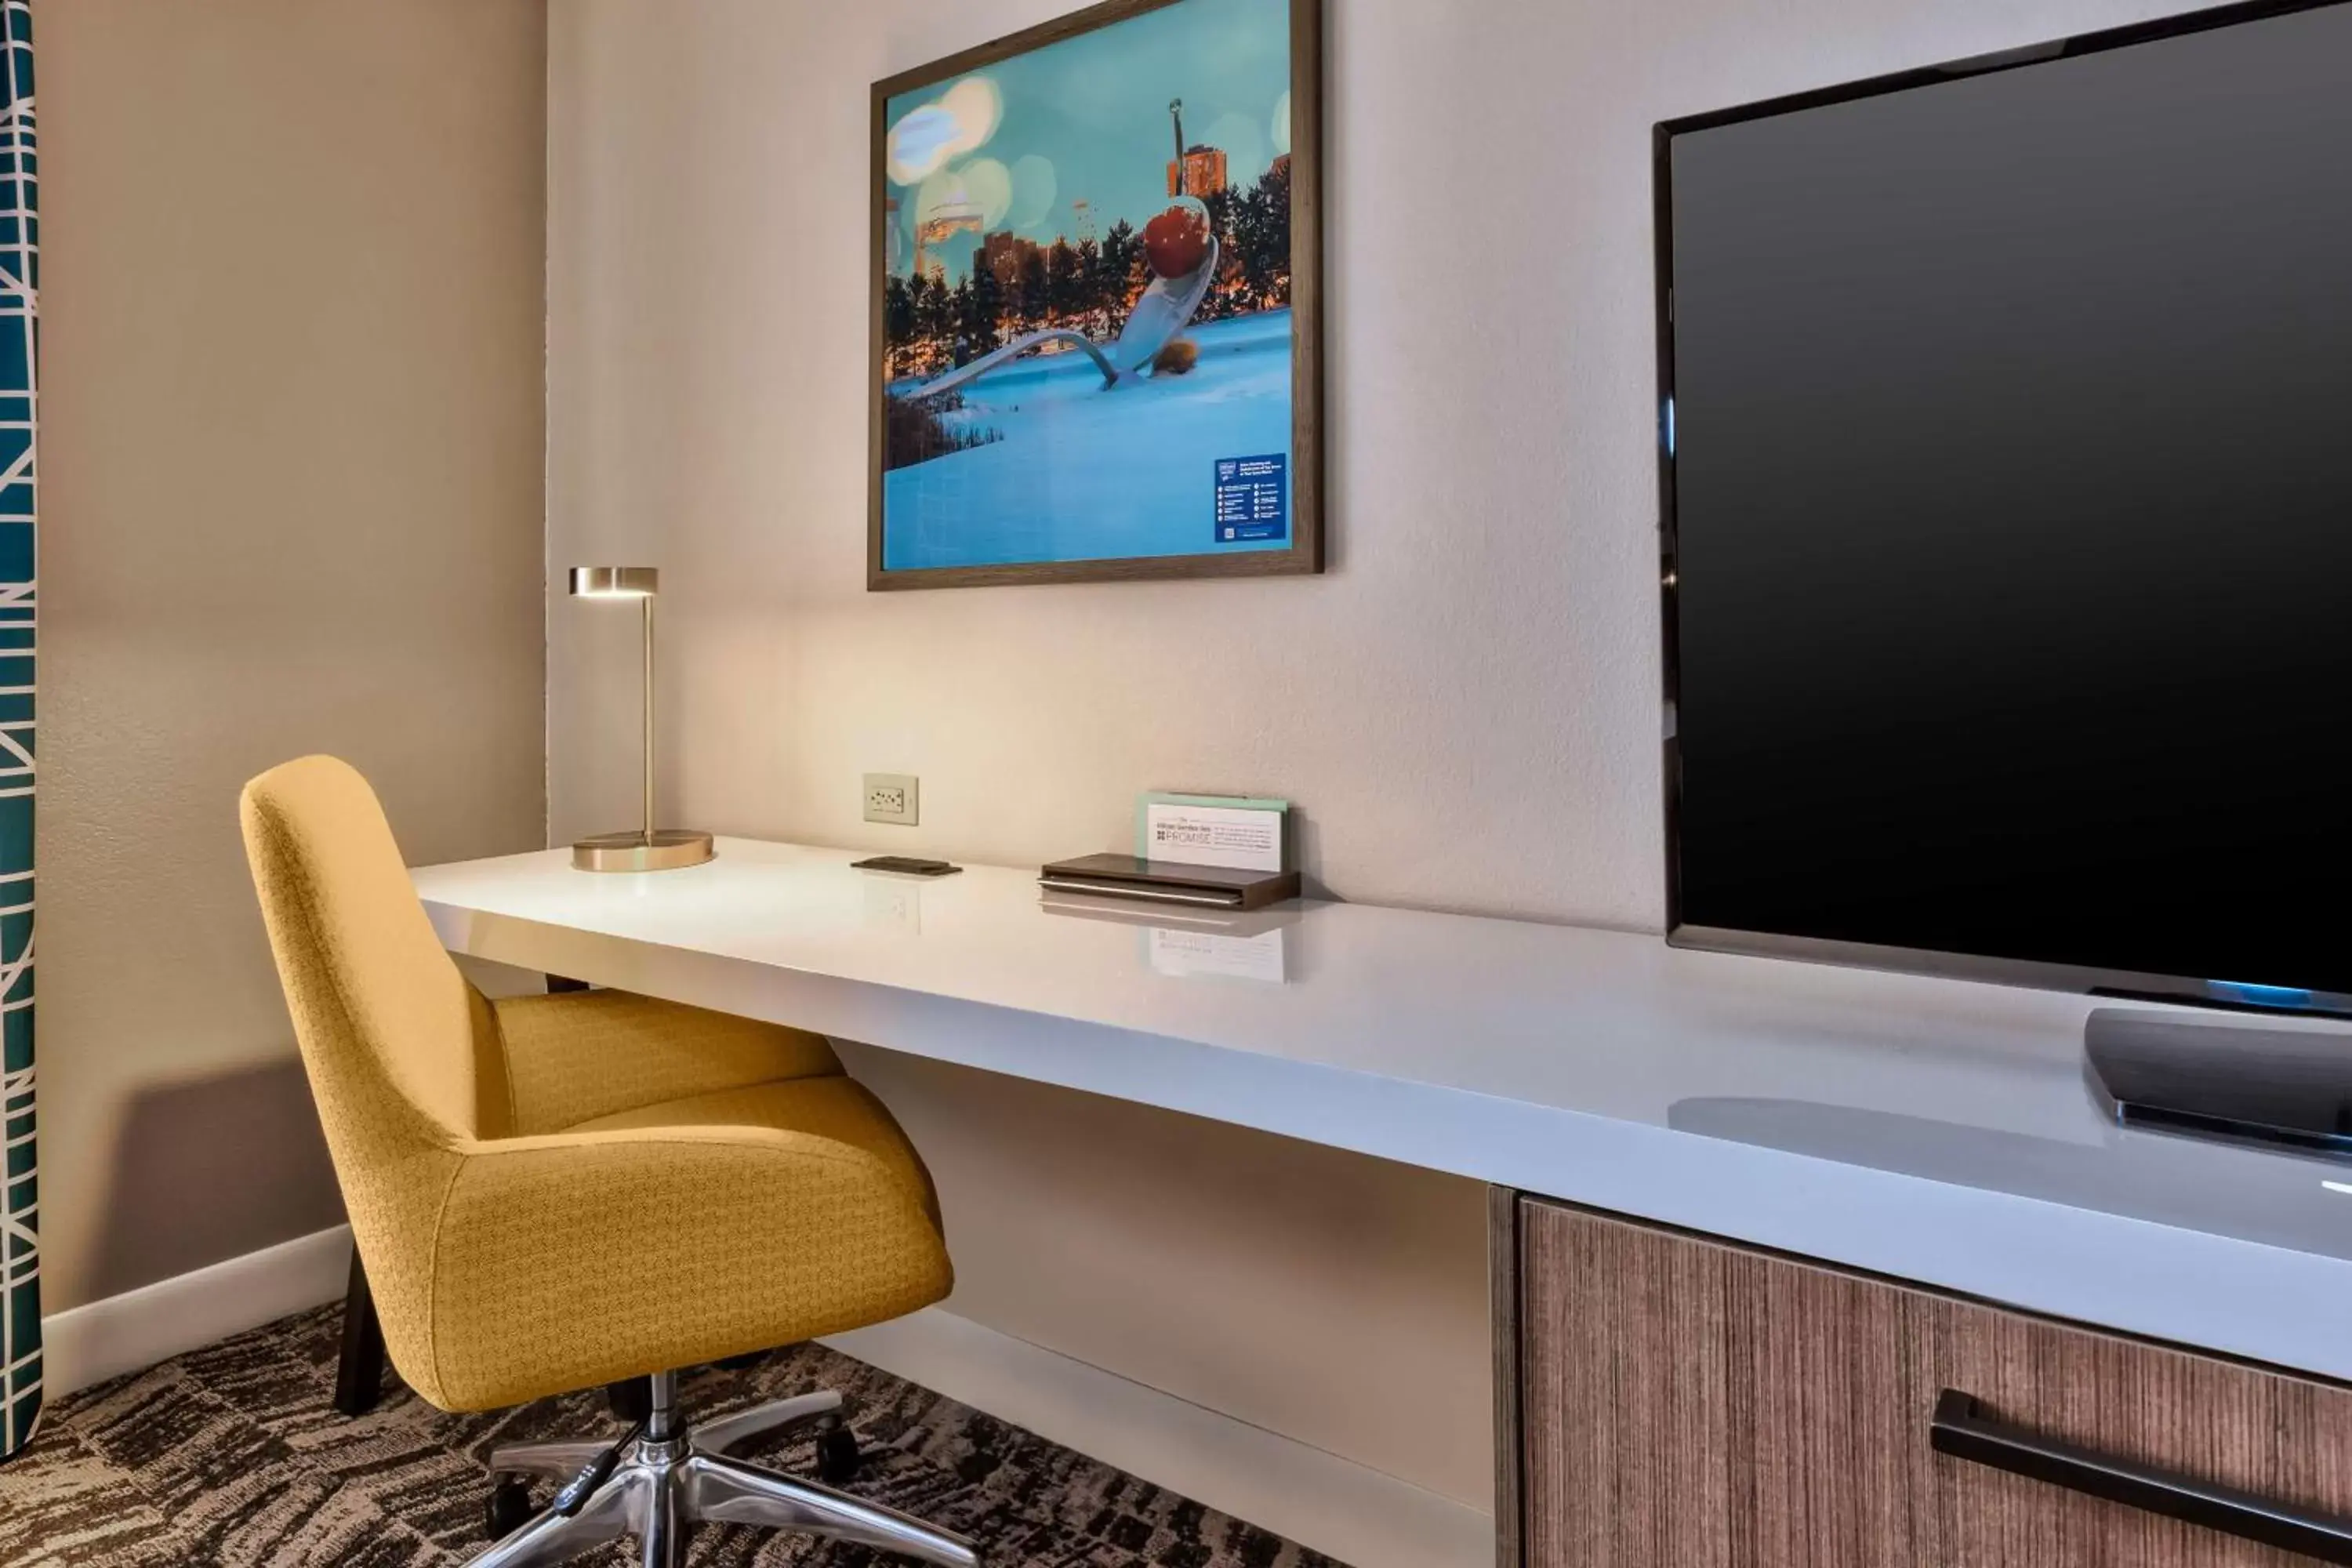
1216	284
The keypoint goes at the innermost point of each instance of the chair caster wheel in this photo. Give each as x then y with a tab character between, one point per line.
509	1507
837	1457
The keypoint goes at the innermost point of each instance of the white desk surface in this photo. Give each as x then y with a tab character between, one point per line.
1933	1130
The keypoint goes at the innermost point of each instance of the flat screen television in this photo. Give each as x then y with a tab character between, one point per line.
2006	461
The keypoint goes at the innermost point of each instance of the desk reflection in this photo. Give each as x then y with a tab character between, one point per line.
1224	944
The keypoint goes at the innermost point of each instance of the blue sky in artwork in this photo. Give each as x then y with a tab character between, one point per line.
1016	144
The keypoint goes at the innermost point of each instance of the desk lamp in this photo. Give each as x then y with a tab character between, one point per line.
649	848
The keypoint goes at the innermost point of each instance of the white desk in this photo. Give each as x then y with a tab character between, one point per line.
1933	1129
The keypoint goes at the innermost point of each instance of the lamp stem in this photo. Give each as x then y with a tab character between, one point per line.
648	602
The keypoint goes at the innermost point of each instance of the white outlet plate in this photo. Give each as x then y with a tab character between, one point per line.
894	797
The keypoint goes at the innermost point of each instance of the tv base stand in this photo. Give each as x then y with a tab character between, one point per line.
2273	1083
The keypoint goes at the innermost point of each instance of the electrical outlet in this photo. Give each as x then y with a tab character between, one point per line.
893	798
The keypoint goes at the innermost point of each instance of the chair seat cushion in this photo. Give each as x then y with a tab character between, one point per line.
835	1107
578	1055
673	1234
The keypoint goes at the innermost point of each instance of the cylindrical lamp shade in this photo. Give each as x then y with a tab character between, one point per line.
614	582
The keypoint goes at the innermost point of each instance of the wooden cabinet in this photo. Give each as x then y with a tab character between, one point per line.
1672	1402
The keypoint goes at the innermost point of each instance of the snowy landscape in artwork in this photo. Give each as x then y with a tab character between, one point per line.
1086	310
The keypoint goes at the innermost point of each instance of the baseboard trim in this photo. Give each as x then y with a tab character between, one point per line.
103	1339
1336	1506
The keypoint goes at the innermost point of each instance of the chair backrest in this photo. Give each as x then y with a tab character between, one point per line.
402	1053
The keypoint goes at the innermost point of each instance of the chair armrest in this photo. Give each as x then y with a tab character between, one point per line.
578	1055
570	1259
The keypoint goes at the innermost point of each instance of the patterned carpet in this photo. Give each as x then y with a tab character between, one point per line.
231	1455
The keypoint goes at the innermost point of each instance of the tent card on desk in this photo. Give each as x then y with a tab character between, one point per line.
1240	832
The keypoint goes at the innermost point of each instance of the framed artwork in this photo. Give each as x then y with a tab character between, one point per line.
1096	345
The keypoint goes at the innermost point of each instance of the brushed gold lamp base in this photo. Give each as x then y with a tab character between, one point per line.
663	849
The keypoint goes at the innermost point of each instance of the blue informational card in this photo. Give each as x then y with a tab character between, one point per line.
1253	498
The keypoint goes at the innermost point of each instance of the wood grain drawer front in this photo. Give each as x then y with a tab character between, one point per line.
1690	1405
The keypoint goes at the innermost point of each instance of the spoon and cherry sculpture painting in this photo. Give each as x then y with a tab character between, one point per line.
1182	253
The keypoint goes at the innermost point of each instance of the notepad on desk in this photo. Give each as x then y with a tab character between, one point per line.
1168	882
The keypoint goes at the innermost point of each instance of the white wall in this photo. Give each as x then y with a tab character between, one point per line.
1466	707
293	316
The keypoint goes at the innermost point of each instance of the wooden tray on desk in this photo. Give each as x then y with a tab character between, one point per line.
1168	882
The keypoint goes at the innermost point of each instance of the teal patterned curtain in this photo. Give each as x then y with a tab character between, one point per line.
20	1255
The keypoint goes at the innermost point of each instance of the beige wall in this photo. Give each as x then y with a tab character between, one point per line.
1467	707
291	501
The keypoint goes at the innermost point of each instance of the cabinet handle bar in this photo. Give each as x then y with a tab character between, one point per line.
1962	1430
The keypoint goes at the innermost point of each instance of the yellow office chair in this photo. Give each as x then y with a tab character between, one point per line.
550	1192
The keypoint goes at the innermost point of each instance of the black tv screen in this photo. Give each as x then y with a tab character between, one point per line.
2006	459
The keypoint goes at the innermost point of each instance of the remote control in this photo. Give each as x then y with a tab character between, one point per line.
905	864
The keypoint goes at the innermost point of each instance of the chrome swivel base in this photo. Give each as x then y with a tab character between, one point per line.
673	1475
